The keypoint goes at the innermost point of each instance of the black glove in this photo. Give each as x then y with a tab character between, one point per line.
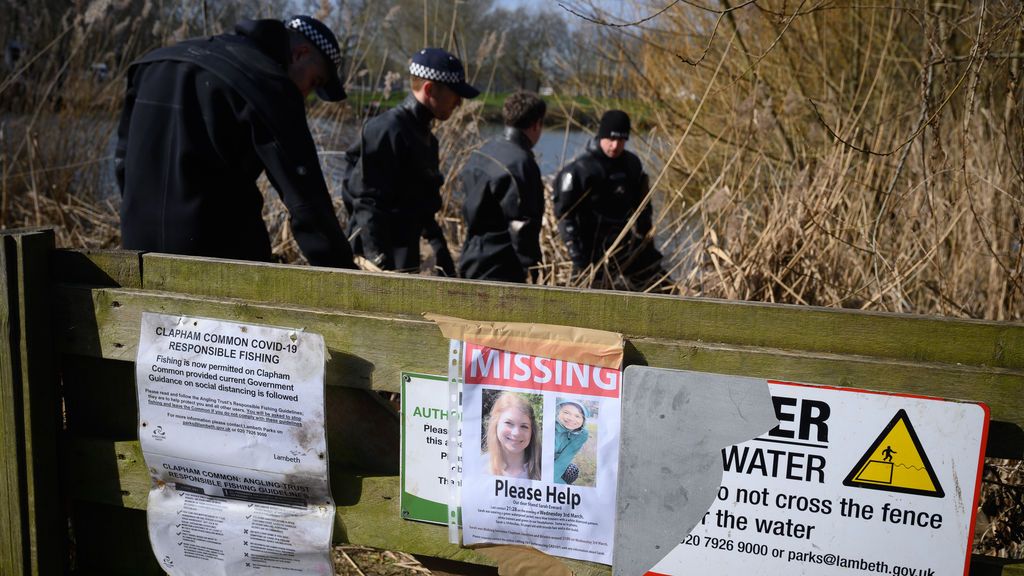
577	254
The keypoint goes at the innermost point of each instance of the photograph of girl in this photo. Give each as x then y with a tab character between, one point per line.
575	459
511	435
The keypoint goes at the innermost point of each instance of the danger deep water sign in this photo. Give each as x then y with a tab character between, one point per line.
849	479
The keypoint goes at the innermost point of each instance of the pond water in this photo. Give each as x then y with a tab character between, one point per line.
556	147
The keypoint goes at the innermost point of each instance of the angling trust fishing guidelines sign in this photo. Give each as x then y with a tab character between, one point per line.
849	479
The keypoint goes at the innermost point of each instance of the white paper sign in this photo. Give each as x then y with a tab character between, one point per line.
425	452
540	454
849	482
242	521
231	422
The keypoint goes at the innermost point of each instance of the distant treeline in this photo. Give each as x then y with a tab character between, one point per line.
578	110
49	43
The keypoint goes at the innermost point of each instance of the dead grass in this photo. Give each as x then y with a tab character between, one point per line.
999	530
365	561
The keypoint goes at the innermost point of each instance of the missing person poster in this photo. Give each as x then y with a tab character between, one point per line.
231	423
540	441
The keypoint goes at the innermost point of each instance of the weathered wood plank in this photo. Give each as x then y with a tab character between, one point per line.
373	331
108	472
47	526
105	323
98	268
372	351
32	407
99	397
34	537
13	508
907	337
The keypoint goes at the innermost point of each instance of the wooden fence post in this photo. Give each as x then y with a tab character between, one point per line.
33	531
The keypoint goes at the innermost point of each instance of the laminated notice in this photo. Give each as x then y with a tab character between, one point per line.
231	423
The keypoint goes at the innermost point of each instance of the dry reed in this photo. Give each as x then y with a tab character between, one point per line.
851	157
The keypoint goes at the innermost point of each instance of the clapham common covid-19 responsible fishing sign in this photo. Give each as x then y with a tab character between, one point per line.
849	482
231	423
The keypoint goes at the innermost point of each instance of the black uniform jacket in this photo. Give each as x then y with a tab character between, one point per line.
394	188
503	204
201	121
594	197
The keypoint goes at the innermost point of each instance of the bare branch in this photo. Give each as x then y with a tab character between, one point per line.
603	22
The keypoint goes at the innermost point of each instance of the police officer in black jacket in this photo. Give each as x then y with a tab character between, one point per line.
393	188
595	196
204	118
503	197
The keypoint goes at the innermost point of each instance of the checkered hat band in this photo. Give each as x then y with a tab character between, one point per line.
435	75
325	45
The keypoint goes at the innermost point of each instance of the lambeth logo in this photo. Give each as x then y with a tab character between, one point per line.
158	433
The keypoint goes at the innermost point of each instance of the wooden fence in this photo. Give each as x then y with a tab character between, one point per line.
74	486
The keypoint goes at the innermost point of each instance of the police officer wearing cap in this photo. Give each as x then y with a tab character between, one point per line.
393	187
595	196
503	197
204	118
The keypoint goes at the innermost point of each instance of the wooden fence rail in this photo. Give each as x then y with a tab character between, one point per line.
74	486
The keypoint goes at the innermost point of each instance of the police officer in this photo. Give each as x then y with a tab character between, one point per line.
504	198
204	118
595	196
393	188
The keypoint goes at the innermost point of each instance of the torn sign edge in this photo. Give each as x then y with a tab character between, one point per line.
644	532
583	345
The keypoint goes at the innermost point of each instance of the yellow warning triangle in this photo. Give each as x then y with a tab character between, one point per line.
896	462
